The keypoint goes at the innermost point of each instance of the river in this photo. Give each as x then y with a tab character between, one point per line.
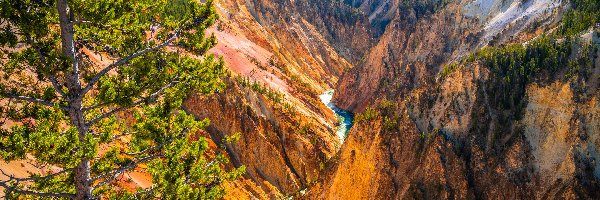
345	118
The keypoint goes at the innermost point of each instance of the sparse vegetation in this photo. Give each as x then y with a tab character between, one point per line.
368	115
271	94
449	68
516	65
390	123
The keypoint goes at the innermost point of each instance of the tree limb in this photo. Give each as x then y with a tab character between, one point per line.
35	100
112	66
52	79
10	189
183	133
115	173
146	191
11	178
99	105
111	176
122	135
138	102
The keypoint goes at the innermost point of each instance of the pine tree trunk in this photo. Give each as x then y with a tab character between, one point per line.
82	180
83	183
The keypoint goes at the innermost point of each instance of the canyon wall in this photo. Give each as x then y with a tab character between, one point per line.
281	55
423	130
427	131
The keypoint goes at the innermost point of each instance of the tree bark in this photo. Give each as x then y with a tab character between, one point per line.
67	35
83	184
82	180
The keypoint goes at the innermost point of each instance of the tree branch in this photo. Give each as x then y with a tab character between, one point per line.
10	189
99	105
183	133
122	135
111	176
115	173
52	79
112	66
35	100
146	191
140	101
11	178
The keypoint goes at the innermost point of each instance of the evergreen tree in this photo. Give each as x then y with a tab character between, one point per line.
62	106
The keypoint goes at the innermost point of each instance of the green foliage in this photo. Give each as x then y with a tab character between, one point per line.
60	107
390	123
368	115
232	138
388	110
582	15
448	69
301	85
423	7
516	65
271	94
273	62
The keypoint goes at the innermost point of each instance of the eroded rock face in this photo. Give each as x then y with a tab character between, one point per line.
437	137
441	137
409	54
562	133
293	48
424	35
451	142
279	146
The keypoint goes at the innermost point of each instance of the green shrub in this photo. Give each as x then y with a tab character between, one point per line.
448	69
390	123
271	94
368	115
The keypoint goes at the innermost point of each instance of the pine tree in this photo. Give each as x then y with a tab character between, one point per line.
96	120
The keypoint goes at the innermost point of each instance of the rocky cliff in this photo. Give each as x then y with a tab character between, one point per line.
281	55
433	120
279	146
430	129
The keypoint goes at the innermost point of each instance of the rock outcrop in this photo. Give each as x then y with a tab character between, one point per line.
278	145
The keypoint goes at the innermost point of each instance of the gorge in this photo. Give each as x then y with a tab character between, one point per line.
345	118
427	123
368	99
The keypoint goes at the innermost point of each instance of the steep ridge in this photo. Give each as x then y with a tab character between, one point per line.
346	29
379	12
429	129
423	36
277	144
415	44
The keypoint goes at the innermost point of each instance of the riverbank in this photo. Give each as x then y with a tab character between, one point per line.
345	118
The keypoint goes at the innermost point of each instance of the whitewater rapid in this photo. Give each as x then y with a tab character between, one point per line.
345	118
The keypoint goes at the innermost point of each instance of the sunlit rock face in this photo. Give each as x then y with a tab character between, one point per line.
439	137
451	139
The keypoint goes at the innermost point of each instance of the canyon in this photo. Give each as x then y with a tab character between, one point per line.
431	136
